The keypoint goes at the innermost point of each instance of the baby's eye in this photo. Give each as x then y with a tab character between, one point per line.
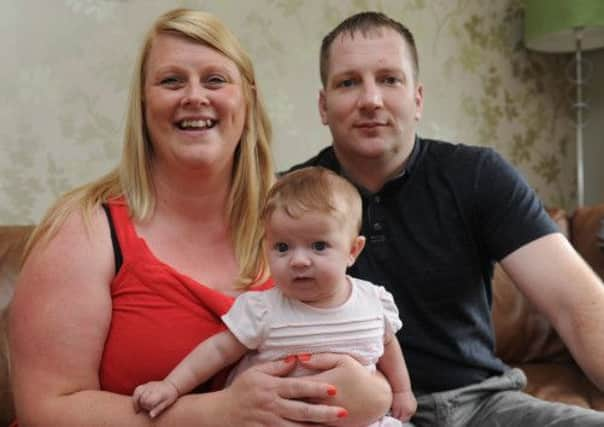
319	246
281	247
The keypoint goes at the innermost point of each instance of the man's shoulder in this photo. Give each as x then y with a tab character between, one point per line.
454	157
325	158
443	149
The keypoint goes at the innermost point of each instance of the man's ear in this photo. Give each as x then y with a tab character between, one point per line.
323	106
355	250
419	101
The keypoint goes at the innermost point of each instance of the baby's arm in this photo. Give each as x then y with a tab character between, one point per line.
207	359
392	365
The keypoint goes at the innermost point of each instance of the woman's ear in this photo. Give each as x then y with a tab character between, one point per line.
355	249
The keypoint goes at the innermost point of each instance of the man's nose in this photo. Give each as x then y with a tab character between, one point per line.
370	96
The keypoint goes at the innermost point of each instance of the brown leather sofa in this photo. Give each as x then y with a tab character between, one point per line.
524	338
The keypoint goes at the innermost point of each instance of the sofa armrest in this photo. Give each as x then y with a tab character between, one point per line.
526	339
12	243
7	412
587	234
523	334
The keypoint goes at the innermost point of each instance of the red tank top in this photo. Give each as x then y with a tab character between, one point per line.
159	315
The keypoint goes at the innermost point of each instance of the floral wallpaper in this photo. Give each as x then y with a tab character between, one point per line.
67	66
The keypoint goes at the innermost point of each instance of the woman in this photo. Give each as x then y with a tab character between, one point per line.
126	275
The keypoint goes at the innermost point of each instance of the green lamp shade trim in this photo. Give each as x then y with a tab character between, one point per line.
550	24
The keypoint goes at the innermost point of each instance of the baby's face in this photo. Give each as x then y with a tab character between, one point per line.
309	255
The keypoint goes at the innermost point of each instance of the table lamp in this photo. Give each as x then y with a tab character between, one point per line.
564	26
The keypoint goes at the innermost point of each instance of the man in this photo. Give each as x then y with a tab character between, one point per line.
436	217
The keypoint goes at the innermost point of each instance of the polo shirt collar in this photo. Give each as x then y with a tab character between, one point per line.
410	166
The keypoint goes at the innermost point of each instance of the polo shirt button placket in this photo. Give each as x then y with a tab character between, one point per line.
377	225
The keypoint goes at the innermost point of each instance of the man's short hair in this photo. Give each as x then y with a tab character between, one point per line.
365	23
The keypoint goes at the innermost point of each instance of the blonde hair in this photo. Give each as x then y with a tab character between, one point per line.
252	166
315	189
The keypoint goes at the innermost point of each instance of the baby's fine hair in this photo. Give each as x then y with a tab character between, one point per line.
318	190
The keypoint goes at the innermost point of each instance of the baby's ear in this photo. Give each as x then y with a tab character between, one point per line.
355	249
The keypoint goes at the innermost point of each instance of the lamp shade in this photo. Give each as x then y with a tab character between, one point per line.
550	24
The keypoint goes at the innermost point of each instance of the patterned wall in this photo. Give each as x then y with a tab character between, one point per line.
69	63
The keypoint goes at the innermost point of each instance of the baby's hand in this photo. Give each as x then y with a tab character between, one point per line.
404	405
154	397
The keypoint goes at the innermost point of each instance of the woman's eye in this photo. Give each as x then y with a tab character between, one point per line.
319	246
215	80
281	247
170	81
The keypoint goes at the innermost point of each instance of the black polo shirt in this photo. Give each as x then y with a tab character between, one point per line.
433	235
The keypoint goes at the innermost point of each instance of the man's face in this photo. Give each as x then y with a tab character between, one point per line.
371	101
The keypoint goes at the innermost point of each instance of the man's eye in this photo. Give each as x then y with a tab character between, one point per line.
281	247
319	246
390	80
346	83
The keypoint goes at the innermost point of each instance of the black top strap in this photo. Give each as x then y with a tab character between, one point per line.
117	251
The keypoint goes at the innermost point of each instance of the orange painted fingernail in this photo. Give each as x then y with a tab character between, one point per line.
331	390
290	359
304	357
342	413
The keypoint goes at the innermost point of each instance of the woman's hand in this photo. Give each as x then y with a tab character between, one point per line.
366	395
260	397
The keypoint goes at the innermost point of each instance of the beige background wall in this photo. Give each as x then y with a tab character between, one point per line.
67	63
594	130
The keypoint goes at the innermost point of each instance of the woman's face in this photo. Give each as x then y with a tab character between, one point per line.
193	104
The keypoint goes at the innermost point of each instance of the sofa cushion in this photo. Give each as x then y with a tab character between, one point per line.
562	382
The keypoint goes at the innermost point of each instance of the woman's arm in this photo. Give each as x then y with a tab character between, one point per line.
59	320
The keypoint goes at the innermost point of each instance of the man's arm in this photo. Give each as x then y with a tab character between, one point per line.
554	277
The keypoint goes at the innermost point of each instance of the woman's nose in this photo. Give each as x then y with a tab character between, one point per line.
194	96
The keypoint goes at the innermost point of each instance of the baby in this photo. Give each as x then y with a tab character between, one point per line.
312	219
